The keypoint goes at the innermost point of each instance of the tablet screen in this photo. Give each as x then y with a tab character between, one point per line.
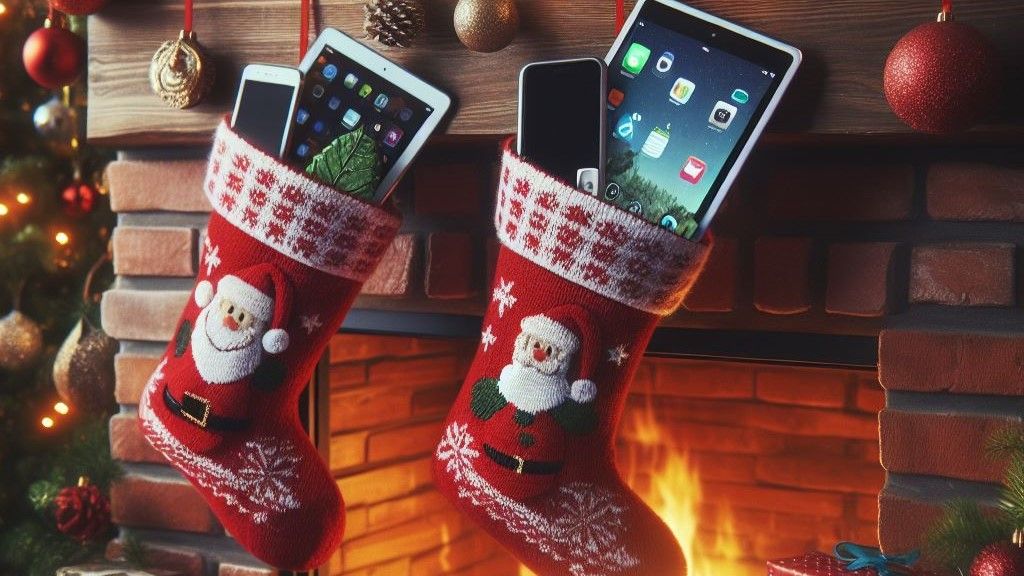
339	96
683	98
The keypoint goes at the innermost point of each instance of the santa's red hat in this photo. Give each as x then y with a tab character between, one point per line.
571	328
263	291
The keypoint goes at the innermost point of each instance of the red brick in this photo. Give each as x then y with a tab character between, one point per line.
453	190
131	373
698	379
127	442
404	442
385	483
824	504
963	274
409	539
903	522
142	314
974	191
148	502
391	278
459	554
867	508
818	473
803	387
782	283
142	186
870	396
450	268
941	445
848	191
179	561
715	287
718	438
860	279
347	450
164	251
961	362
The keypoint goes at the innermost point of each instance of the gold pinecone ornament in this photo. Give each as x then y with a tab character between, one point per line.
394	22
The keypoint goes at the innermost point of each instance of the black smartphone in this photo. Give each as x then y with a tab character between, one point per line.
265	106
562	119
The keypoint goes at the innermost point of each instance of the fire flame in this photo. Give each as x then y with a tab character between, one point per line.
663	475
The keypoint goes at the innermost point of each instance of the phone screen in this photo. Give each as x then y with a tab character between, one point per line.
263	114
560	117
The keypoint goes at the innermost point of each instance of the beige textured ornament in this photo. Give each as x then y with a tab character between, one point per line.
181	73
21	341
486	25
83	371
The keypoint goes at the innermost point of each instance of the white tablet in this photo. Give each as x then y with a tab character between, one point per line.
349	86
688	96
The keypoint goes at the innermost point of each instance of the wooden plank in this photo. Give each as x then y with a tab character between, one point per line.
839	90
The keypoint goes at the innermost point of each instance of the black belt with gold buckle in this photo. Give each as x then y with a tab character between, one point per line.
520	466
196	410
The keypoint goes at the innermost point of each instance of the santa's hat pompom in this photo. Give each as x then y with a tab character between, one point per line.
583	391
204	293
275	341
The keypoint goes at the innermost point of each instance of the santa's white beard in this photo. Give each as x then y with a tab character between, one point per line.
223	355
530	390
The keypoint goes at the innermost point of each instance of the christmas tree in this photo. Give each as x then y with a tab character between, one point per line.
55	225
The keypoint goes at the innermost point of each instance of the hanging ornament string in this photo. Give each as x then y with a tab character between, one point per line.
188	17
620	15
947	11
304	29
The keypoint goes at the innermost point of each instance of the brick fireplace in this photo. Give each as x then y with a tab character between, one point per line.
840	268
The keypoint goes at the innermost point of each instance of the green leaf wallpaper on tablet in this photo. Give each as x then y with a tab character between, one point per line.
678	108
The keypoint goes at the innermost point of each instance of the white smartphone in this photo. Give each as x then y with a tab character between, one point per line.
688	95
562	119
265	104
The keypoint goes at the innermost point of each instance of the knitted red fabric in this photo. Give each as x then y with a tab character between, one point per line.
283	258
528	446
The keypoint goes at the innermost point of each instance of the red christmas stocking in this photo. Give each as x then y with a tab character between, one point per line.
283	259
528	446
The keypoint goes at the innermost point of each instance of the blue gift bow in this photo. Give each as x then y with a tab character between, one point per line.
858	557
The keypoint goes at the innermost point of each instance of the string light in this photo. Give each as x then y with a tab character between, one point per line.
23	198
3	9
61	408
4	210
47	422
62	238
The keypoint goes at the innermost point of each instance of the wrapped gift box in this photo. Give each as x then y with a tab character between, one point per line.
820	564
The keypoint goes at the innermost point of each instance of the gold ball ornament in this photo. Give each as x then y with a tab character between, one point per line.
21	341
486	25
83	371
181	73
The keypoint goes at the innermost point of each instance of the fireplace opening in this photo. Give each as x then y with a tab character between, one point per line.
744	460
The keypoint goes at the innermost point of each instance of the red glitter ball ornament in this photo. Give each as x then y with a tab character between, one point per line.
79	198
54	57
82	512
78	7
999	559
942	77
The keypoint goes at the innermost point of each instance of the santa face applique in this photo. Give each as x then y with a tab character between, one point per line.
532	407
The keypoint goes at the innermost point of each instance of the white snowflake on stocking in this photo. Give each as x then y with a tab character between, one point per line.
311	323
589	519
267	470
618	354
503	296
487	338
455	449
211	255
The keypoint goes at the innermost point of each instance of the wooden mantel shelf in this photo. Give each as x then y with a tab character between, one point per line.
839	90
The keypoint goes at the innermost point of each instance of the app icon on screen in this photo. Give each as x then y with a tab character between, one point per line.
624	129
636	58
405	114
365	90
723	114
334	103
669	222
693	170
615	97
351	80
302	150
350	119
664	64
635	207
318	91
393	136
301	115
319	127
656	142
740	96
612	191
381	101
329	72
681	91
